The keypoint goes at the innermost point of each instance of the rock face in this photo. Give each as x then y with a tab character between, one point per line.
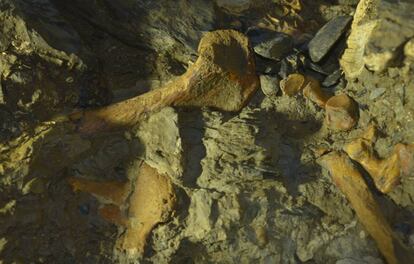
327	36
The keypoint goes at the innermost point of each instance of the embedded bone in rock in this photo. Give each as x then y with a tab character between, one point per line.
386	172
137	205
351	183
223	77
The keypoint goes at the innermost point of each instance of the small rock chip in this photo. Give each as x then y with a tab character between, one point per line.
327	36
341	113
332	79
270	44
269	85
292	84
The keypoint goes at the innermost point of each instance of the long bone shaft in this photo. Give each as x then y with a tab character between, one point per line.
223	77
351	183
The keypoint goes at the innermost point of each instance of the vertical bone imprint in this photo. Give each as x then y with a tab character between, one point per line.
351	183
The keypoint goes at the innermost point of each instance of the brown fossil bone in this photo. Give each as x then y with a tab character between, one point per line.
341	112
223	77
351	183
137	206
313	92
386	173
292	84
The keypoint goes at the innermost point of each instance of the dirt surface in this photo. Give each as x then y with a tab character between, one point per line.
248	187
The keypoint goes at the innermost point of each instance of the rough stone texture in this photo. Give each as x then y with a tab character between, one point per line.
247	186
327	36
379	30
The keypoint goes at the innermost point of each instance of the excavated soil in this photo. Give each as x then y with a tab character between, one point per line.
248	187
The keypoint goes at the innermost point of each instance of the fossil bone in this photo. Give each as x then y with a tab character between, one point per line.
313	92
341	112
223	77
351	183
292	84
386	173
136	206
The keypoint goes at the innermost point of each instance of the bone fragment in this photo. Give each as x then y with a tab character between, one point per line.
137	206
313	92
223	77
386	173
341	113
351	183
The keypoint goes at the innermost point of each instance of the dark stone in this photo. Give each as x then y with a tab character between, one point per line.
310	65
289	65
270	44
333	78
327	36
266	66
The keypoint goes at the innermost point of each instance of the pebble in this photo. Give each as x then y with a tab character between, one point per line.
332	79
327	36
270	44
269	85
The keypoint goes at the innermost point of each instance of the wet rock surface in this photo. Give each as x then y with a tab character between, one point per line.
247	187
